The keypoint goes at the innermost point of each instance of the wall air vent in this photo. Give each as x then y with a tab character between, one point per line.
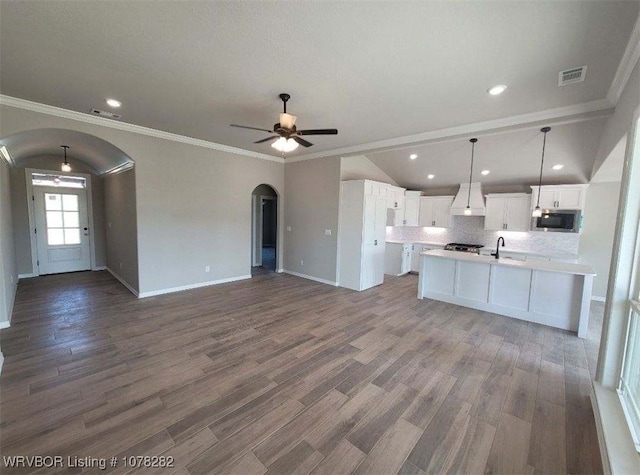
108	115
570	76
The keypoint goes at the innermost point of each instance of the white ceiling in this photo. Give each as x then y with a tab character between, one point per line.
98	154
374	70
513	158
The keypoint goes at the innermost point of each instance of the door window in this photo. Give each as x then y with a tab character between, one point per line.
63	219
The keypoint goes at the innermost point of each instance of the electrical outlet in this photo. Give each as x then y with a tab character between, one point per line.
12	278
207	268
121	265
301	263
289	228
327	232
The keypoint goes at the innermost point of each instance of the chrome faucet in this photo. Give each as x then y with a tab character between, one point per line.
497	253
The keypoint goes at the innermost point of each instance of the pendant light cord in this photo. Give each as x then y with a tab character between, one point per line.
544	143
473	146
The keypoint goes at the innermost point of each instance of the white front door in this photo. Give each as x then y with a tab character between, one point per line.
62	230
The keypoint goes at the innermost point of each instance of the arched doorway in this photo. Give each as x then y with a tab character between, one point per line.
108	231
264	230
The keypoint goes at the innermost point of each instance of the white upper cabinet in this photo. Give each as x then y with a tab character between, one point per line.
435	211
411	207
559	196
508	212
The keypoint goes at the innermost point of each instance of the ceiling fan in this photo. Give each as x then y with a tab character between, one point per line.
287	135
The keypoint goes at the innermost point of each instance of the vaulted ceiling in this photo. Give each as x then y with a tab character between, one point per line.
374	70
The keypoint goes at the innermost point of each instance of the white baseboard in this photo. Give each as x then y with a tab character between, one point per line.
123	282
597	298
5	324
1	361
315	279
99	268
27	276
153	293
616	445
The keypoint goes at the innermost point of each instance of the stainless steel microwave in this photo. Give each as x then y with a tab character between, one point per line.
558	221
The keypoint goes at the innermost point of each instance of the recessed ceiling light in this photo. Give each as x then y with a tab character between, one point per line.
413	156
431	177
559	166
485	172
114	103
495	90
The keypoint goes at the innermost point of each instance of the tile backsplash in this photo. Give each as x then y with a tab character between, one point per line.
470	230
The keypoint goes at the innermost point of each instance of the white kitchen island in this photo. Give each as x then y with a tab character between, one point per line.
556	294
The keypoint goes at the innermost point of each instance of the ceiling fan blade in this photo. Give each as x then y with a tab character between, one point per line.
251	128
267	139
318	132
302	141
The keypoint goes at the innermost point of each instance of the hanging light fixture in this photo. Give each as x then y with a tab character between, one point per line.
65	166
285	145
467	210
537	212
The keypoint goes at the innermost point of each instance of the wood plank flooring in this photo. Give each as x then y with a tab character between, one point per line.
282	375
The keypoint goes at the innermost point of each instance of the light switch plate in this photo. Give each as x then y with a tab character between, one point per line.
327	232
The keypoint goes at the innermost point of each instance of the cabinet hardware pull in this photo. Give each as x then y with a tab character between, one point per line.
375	242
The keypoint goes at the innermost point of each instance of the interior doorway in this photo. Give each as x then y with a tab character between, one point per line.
264	227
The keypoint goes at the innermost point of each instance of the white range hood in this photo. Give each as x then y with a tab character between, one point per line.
476	201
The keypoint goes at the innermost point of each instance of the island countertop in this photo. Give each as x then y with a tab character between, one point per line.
551	266
551	293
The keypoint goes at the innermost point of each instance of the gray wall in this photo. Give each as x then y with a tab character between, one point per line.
121	230
21	231
313	198
596	242
9	275
618	125
361	168
193	204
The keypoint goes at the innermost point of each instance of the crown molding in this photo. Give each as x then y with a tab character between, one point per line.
136	129
558	116
627	63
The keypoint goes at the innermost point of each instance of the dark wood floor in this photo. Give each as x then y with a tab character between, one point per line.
282	375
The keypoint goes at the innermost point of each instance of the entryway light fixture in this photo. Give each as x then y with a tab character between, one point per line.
285	145
537	212
467	210
65	166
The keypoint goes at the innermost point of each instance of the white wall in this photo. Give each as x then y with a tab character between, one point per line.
360	167
9	274
617	126
313	197
193	204
121	227
596	242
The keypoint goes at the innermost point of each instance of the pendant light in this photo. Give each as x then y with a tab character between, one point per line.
65	166
467	210
537	212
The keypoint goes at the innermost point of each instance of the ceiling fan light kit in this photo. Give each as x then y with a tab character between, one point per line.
287	136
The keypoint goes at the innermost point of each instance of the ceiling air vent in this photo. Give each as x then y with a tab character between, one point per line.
108	115
570	76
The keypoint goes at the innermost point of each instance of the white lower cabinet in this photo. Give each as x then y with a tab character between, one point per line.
397	258
416	249
361	240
